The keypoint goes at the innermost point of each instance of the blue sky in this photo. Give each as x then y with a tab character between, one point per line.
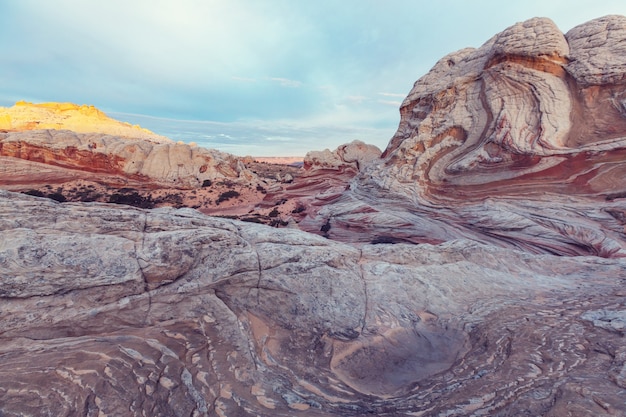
250	77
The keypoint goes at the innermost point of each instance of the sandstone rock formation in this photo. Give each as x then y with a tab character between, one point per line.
45	151
505	175
123	311
325	178
33	157
68	116
348	157
519	143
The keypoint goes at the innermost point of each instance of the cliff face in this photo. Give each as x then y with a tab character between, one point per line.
532	110
519	143
33	156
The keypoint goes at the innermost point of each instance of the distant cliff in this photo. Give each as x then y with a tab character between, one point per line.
67	116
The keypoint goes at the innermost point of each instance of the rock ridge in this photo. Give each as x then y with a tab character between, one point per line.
25	116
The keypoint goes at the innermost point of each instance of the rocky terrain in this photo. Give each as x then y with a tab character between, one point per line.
76	153
520	143
474	268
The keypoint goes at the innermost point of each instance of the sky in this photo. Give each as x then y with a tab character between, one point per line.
250	77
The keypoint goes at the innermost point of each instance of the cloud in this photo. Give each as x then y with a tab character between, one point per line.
284	137
357	99
392	103
243	79
286	82
393	95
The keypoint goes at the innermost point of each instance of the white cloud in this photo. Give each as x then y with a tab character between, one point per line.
286	82
357	99
395	104
243	79
393	95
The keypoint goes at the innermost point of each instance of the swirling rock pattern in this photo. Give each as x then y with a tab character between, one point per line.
507	169
123	311
519	143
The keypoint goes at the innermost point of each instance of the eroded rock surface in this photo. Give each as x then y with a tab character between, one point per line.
518	143
505	175
54	156
123	311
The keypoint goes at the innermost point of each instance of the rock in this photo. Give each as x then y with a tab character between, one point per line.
598	54
166	312
483	272
325	178
351	156
515	144
614	321
68	116
44	156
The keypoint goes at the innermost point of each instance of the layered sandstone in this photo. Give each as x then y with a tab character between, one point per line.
52	156
506	178
123	311
325	177
519	143
77	153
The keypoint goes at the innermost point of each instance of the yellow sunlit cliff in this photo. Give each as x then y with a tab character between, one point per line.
78	118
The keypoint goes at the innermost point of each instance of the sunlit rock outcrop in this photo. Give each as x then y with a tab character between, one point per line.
68	116
519	143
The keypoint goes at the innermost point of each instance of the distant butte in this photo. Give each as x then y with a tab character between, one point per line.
67	116
475	267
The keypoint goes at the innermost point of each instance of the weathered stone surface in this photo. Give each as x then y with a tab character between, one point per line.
598	53
44	156
519	143
350	156
506	175
169	312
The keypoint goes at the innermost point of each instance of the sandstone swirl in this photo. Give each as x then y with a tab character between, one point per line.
505	175
123	311
519	143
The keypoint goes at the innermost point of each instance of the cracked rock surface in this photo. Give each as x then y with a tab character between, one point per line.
170	312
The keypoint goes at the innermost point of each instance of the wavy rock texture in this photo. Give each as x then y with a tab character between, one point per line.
507	169
325	177
123	311
519	143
